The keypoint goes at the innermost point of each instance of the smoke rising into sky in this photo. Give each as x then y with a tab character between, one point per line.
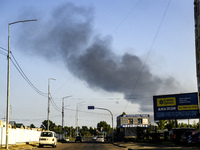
68	35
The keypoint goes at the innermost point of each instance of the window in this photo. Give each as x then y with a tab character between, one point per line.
197	44
130	121
46	134
140	120
196	32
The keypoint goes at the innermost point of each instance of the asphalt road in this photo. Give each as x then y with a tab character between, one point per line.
83	146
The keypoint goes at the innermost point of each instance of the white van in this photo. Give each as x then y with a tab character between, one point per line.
48	138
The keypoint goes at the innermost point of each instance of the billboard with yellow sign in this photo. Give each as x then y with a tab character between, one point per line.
176	106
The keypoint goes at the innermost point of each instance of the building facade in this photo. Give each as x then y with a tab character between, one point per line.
133	120
197	39
128	126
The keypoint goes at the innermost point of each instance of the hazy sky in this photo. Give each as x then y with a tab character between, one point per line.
113	54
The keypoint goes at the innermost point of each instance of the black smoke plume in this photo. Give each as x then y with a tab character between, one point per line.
68	36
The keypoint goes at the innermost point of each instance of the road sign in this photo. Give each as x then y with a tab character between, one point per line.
90	107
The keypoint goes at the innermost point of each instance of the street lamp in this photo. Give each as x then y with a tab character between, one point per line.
77	116
49	101
92	107
8	79
63	112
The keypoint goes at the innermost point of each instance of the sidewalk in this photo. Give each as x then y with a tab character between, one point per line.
147	146
21	146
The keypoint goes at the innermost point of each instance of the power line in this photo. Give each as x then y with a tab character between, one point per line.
19	69
3	49
54	104
155	37
17	66
128	14
2	52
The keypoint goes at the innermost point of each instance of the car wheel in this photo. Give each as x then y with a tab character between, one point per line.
40	145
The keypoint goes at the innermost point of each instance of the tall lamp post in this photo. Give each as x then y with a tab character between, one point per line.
63	107
49	101
92	107
8	79
77	116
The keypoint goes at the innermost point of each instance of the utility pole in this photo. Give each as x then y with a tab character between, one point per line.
8	80
63	116
77	115
49	101
63	112
77	120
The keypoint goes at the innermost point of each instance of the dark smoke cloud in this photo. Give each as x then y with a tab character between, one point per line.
68	36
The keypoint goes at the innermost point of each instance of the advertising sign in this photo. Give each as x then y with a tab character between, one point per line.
177	106
135	115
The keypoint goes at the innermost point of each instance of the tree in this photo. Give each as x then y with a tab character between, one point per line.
123	113
161	124
182	125
93	131
57	129
194	125
68	130
45	124
170	125
104	127
85	131
32	126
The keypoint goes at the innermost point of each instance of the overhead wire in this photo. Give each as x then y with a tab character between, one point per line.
127	15
19	69
54	104
143	65
2	52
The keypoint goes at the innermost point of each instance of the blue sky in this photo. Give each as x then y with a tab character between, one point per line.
113	54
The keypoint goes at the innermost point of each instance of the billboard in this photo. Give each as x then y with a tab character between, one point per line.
176	106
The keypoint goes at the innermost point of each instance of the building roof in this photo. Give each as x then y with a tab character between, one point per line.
12	123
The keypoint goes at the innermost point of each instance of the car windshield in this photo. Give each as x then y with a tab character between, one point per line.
47	134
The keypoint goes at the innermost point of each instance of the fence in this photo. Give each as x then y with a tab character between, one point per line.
18	136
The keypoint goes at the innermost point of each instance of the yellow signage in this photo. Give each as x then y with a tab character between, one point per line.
188	107
168	101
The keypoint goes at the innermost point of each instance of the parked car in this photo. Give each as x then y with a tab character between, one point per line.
78	138
94	138
100	138
186	134
66	140
194	139
176	133
48	138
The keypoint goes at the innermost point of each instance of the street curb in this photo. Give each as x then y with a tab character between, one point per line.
115	144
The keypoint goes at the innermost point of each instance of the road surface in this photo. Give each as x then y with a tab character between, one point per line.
83	146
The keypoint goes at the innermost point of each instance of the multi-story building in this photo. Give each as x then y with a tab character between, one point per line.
197	39
133	120
128	125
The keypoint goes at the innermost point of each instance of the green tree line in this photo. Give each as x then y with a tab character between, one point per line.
169	124
102	126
